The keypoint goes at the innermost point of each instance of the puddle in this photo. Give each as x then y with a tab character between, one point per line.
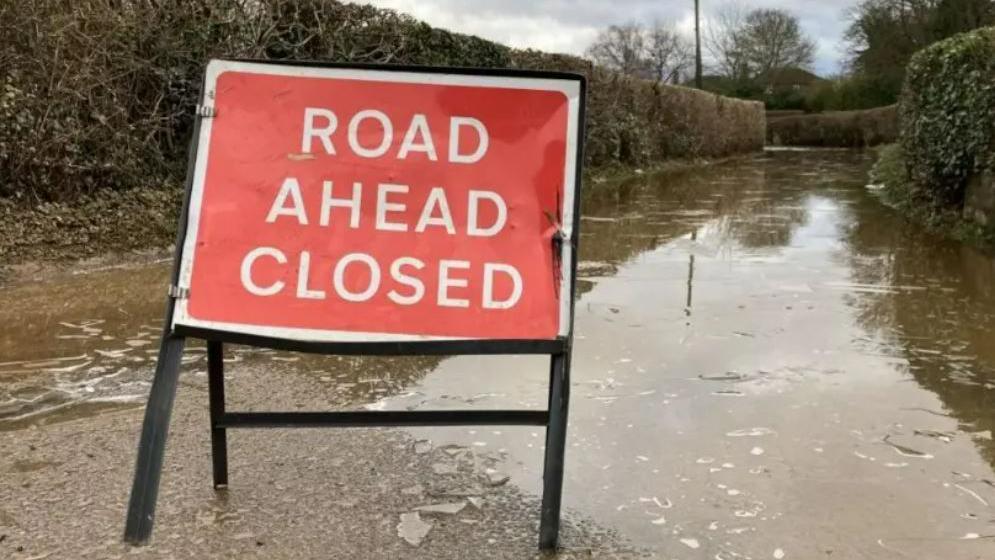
748	338
793	328
87	344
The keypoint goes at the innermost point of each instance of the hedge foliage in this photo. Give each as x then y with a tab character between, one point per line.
948	113
849	129
100	94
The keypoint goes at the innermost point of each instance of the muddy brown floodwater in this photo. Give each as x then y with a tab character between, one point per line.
769	364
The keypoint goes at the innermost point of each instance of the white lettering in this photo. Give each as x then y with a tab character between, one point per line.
338	277
383	206
516	291
246	272
445	282
472	228
292	189
436	198
455	124
328	201
303	270
419	125
410	281
311	130
386	139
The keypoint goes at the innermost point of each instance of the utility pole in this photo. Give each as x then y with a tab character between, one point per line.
697	46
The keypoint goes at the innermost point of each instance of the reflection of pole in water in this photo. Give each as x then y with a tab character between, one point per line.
687	307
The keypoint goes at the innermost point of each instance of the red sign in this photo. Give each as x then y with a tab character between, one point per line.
336	204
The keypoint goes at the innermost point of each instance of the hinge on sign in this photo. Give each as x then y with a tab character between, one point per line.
206	111
177	292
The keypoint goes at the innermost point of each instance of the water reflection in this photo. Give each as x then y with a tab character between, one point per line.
81	344
726	253
756	357
743	201
933	302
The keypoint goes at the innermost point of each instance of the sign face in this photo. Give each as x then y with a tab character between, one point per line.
345	204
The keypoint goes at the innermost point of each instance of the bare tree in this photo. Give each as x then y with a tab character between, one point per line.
756	45
622	48
659	53
773	41
668	53
724	41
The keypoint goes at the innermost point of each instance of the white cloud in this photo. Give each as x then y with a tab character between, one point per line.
516	29
569	26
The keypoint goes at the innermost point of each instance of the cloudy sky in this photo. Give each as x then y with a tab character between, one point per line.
570	25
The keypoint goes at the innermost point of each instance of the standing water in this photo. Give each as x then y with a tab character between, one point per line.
768	363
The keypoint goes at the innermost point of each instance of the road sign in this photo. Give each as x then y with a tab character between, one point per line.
344	204
382	210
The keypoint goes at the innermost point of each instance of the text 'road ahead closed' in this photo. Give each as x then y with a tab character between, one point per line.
345	204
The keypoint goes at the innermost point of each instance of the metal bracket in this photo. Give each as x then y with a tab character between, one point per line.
177	292
206	111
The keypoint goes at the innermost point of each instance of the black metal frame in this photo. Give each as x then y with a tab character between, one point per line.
151	449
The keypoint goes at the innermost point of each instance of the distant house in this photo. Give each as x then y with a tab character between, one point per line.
791	79
785	90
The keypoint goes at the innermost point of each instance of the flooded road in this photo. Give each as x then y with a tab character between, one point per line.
768	364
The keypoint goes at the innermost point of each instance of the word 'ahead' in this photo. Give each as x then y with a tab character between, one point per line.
348	204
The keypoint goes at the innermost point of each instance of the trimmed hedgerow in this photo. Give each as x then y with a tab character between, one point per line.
852	129
947	113
99	95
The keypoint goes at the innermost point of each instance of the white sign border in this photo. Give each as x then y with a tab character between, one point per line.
571	89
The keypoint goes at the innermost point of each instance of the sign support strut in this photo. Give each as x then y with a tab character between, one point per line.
152	446
556	439
151	451
216	395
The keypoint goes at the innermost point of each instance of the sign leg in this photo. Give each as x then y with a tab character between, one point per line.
556	439
152	445
216	392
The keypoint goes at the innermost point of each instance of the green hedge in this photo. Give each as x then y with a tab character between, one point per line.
849	129
100	94
947	113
